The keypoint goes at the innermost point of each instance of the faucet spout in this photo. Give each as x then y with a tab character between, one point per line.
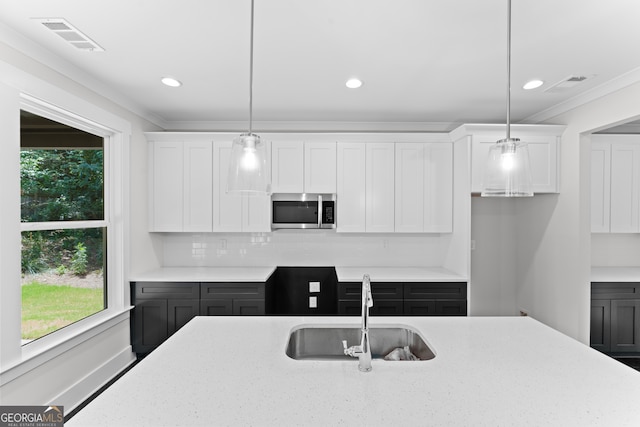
363	351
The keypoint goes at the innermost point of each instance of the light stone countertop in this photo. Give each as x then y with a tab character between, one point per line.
615	274
488	371
398	274
205	274
261	274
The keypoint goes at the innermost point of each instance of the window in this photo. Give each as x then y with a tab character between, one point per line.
63	224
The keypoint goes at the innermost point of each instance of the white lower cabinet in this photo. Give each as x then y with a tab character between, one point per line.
615	184
180	186
232	212
423	187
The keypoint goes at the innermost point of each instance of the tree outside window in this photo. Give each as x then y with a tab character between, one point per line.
63	225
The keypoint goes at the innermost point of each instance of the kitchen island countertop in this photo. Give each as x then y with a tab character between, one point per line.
506	371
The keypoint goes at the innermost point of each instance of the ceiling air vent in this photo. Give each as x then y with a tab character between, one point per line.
70	34
568	83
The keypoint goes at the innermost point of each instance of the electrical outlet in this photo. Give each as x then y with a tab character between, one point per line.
314	287
313	302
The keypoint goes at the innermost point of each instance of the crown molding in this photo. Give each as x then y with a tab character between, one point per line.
31	49
311	126
600	91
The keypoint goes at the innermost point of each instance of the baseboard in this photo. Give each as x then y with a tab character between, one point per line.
87	386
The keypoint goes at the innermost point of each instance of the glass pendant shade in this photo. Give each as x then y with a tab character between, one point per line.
248	172
507	171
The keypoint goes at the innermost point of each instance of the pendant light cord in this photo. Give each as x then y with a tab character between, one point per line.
251	72
508	69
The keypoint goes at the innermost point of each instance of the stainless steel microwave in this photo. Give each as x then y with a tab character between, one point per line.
304	210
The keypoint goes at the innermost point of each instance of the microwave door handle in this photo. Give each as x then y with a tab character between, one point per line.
319	211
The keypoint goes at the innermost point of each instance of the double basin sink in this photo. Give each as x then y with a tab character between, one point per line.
324	342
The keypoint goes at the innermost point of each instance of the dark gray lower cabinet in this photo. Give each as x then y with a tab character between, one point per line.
232	299
161	308
405	298
615	317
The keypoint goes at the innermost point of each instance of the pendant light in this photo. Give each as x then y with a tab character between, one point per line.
507	172
248	171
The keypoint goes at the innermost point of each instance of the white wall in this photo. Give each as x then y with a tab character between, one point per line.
554	247
309	247
493	260
70	371
615	250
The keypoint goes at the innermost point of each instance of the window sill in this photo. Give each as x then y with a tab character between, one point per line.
42	350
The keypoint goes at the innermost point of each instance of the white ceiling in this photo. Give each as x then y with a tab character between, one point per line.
434	62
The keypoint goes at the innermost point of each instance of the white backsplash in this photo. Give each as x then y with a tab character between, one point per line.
304	248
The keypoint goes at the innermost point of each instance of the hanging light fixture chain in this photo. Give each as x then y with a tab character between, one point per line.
251	72
508	69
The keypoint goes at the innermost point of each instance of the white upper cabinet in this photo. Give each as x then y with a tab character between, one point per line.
287	168
227	209
543	143
600	186
615	183
180	196
351	206
403	187
303	167
198	197
424	187
320	167
381	186
410	187
379	194
233	212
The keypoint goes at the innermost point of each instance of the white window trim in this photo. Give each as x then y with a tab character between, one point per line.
42	98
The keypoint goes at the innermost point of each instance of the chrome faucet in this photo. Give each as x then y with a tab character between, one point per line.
363	351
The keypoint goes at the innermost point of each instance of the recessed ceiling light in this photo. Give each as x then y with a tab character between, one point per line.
170	81
532	84
354	83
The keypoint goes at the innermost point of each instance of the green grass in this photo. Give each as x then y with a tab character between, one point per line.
46	308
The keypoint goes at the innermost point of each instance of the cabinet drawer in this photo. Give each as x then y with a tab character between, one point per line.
380	308
167	290
180	311
380	290
615	290
349	308
420	308
216	307
387	308
248	307
435	290
233	290
451	308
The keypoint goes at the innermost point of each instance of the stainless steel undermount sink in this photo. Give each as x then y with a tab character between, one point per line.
324	342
